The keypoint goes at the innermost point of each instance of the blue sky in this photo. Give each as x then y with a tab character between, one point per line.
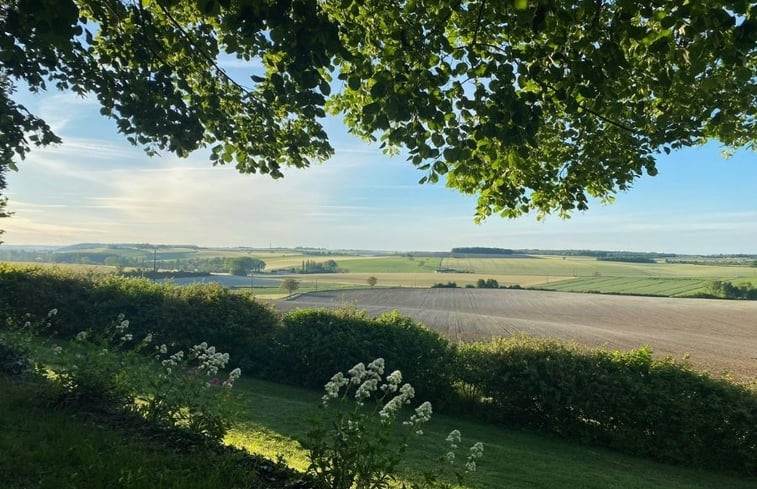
95	187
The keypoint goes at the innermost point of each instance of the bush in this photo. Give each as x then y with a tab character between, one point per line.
313	344
442	285
627	401
489	283
183	316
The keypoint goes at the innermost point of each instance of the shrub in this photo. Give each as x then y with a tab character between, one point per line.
442	285
184	316
312	344
628	401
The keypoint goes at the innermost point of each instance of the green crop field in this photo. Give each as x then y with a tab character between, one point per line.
390	264
668	287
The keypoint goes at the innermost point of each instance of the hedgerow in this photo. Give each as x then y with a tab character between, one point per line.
629	401
183	316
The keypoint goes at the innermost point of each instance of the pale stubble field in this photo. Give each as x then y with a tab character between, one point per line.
719	335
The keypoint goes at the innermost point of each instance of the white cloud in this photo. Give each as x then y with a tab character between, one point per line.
60	109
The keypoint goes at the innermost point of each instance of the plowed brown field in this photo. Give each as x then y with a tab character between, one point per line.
719	335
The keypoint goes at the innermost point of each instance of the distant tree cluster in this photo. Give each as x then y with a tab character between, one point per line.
328	266
448	285
478	250
727	290
489	283
243	265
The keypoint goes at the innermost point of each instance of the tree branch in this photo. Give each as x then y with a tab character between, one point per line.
202	52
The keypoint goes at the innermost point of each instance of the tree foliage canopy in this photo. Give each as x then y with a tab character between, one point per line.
531	105
243	265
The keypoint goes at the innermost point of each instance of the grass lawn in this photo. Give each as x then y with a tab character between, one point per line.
277	416
46	448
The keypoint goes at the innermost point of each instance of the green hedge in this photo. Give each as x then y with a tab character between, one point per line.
183	316
627	401
312	345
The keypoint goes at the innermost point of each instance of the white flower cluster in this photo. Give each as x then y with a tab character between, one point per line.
393	406
173	361
233	377
127	337
123	324
52	312
148	338
81	336
476	452
210	360
422	415
332	387
367	380
453	439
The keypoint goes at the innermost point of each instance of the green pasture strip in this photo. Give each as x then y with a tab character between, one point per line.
278	416
629	285
389	264
47	448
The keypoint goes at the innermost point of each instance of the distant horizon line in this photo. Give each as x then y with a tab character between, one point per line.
369	250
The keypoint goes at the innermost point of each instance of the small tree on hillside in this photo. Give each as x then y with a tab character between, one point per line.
372	281
290	285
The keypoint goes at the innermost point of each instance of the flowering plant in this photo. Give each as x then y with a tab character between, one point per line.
438	476
187	391
109	368
362	447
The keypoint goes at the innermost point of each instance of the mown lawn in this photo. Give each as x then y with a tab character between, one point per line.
277	416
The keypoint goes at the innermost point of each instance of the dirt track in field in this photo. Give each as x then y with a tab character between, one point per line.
719	335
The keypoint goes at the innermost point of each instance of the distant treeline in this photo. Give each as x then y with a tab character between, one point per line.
478	250
628	258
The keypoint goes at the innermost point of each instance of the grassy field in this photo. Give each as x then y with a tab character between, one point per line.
666	287
50	448
278	416
46	448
